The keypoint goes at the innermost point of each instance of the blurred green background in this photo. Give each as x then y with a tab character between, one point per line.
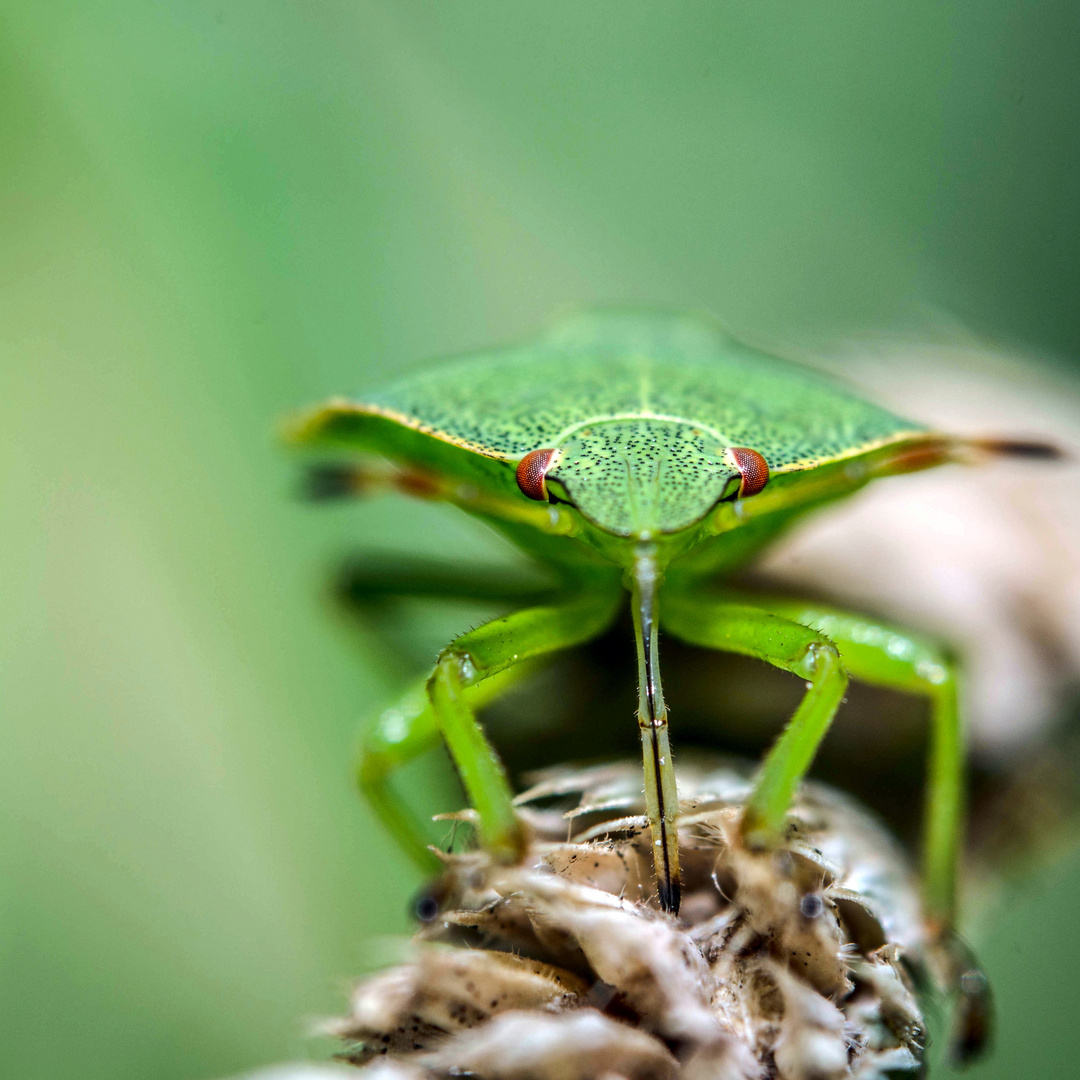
212	213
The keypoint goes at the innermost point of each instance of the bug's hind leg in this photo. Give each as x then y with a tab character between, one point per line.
473	669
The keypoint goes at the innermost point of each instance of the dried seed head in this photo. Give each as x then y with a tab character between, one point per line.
793	964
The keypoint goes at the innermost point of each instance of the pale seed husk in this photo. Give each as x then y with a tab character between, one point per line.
799	963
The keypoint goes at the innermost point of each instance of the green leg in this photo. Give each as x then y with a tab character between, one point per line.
884	655
378	577
368	586
402	732
746	629
408	728
822	645
871	652
472	670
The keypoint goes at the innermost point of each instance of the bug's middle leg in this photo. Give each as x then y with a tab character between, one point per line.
380	576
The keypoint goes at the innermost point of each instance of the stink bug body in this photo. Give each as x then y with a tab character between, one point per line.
649	454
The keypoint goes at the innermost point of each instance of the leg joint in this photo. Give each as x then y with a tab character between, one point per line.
460	663
937	670
821	656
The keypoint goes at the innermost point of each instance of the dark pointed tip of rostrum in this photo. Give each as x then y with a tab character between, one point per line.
670	893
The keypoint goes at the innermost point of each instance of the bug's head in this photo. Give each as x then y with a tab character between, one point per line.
640	477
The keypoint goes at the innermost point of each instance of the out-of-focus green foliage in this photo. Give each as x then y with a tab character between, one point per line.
211	213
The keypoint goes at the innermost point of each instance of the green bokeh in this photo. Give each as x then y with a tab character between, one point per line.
211	213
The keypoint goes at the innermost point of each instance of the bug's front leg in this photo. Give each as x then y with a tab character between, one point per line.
364	585
473	669
742	628
880	654
776	629
399	734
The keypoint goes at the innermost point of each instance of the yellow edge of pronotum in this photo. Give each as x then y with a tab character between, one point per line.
303	429
308	423
913	434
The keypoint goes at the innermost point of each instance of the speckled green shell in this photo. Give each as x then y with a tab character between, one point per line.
641	407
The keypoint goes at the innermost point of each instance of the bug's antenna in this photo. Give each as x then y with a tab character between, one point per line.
661	798
332	480
1034	449
329	480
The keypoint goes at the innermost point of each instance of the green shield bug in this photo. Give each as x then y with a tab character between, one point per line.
647	453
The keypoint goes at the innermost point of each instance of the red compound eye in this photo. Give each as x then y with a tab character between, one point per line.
753	469
532	470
